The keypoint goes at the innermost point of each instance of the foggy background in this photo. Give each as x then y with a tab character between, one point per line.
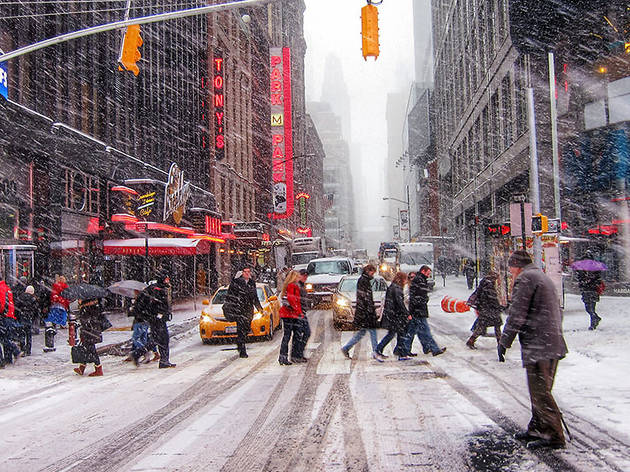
332	29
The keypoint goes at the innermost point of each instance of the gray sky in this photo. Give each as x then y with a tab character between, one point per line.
334	26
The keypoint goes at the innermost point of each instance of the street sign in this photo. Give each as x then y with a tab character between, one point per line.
515	219
4	80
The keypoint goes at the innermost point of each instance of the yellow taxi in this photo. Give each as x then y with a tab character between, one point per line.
213	325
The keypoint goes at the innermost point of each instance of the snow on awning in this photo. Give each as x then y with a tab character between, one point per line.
157	246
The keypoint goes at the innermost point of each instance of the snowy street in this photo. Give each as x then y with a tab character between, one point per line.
214	412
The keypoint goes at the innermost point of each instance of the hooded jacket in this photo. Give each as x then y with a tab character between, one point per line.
419	296
365	312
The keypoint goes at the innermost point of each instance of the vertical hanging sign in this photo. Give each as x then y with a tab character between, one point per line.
219	104
281	132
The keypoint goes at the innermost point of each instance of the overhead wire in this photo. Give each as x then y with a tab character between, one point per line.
173	5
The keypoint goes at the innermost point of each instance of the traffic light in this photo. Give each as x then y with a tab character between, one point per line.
369	31
129	53
496	230
540	224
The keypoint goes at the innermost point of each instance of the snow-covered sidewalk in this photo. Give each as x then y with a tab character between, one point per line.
593	379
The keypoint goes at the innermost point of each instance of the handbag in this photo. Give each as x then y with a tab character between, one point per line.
601	287
80	355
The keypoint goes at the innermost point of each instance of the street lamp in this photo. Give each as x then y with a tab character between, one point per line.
408	211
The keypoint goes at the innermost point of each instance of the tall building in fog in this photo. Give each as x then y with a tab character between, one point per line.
339	217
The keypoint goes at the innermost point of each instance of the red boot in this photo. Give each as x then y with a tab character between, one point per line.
79	370
98	371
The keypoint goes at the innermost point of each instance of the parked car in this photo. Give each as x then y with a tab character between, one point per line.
324	275
345	299
213	325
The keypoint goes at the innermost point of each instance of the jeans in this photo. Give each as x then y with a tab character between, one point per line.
140	339
290	326
400	341
357	337
589	306
302	335
8	332
420	327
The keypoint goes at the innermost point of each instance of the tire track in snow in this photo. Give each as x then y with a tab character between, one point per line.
551	459
123	445
592	442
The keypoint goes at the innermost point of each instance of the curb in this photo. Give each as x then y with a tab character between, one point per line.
124	347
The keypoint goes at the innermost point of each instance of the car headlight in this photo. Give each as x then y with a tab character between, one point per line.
309	287
384	267
258	315
206	318
343	302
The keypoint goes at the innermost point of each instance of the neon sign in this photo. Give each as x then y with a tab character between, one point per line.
219	105
281	132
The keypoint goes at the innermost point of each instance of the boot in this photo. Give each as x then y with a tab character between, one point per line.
98	371
79	370
471	343
283	360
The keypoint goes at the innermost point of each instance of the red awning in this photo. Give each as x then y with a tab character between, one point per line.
157	246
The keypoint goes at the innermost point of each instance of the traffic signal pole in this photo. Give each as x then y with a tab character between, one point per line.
534	185
131	21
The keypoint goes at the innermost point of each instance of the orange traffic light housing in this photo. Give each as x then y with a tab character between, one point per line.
129	52
369	31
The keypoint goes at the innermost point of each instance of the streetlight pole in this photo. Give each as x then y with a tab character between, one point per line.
408	212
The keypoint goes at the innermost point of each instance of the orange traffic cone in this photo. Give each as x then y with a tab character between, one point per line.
453	305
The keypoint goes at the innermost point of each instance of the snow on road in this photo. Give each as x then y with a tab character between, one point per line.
455	412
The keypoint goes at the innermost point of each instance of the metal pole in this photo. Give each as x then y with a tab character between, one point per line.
132	21
408	216
534	186
523	235
146	259
195	282
554	136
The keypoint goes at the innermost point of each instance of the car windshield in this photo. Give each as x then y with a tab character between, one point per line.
350	285
328	267
417	257
389	254
303	257
219	297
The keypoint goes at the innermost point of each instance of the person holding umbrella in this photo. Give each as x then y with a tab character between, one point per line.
591	285
90	333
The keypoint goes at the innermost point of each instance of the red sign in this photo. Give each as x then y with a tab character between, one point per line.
213	226
281	132
219	105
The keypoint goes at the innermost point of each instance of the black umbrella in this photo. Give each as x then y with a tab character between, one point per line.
84	292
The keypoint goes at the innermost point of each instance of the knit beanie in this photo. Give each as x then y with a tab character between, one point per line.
519	259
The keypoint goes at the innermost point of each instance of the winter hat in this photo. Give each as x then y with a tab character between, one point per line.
30	290
519	259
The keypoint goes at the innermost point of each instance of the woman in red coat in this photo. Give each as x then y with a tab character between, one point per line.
290	312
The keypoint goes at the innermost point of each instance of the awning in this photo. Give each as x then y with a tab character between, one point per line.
157	246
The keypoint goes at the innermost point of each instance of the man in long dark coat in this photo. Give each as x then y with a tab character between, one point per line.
243	299
159	313
535	316
365	318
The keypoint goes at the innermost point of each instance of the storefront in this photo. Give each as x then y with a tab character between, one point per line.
164	224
